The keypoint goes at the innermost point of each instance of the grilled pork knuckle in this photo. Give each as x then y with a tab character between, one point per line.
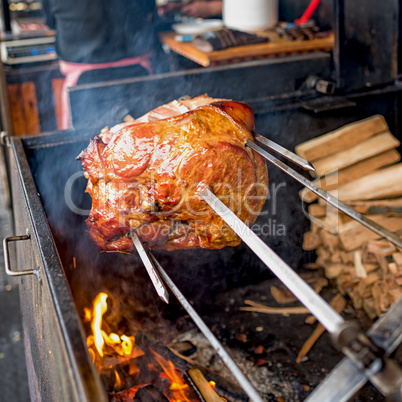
146	175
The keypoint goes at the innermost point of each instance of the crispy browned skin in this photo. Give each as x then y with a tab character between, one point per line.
149	175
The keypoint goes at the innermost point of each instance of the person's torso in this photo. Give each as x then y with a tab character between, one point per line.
98	31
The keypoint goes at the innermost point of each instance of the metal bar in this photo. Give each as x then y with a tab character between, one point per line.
279	149
224	355
153	274
375	227
346	379
324	313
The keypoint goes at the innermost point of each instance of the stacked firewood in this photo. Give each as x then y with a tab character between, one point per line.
358	164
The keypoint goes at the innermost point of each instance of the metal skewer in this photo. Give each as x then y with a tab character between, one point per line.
324	313
279	149
224	355
374	226
365	355
153	274
355	344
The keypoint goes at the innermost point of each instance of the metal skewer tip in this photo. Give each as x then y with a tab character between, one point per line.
152	272
220	350
279	149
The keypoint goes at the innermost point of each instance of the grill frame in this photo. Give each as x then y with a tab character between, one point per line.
58	363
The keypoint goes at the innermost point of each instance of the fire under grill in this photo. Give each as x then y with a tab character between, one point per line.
94	328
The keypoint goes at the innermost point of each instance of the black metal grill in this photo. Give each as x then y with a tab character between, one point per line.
59	365
52	299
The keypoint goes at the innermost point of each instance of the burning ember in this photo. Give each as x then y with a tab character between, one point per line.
128	370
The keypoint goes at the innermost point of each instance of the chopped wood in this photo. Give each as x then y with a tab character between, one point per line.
380	297
369	308
397	257
364	288
373	146
370	267
356	299
338	303
391	206
331	221
282	296
329	240
346	257
341	138
205	388
310	277
382	262
363	266
372	277
320	284
323	256
353	234
310	320
285	296
394	294
378	251
383	183
260	308
312	266
315	228
368	258
396	272
336	257
310	241
344	282
317	210
332	271
380	247
321	261
334	180
359	267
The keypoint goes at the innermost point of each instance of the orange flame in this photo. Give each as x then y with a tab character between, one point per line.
100	308
179	390
178	386
123	345
118	380
87	314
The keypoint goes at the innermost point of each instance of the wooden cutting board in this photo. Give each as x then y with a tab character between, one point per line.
277	47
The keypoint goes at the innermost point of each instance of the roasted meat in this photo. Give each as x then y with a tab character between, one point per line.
146	175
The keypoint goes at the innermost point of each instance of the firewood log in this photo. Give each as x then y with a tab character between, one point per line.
341	138
366	149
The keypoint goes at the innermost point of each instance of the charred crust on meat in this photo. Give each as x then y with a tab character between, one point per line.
156	182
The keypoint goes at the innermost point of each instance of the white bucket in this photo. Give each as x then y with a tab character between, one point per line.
250	15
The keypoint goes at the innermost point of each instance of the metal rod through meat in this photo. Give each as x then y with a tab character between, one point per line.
368	223
152	272
289	155
324	313
224	355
